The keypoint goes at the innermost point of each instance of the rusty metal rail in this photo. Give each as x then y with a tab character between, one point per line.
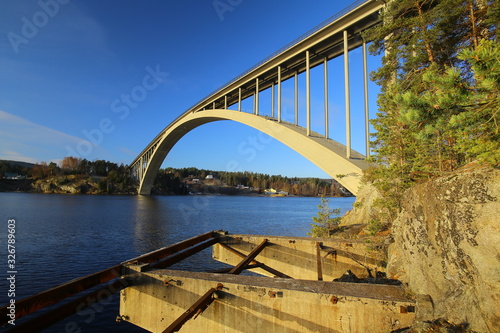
256	264
167	251
183	255
241	266
319	261
195	310
52	296
51	317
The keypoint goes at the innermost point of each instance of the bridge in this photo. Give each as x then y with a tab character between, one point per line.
333	38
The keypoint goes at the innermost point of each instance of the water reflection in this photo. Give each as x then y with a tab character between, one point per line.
151	222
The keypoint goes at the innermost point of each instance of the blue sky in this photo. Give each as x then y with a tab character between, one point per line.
67	67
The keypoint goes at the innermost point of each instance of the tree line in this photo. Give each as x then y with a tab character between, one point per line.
171	180
174	180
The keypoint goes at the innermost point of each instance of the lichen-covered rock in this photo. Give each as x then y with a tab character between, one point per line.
363	209
447	245
66	185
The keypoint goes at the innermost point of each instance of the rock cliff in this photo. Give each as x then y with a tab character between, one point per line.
72	184
447	248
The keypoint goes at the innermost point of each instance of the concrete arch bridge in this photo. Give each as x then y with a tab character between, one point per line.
336	37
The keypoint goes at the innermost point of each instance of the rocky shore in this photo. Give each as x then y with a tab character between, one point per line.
445	247
70	184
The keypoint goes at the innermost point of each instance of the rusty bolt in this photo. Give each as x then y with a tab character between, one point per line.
166	282
272	294
291	241
406	309
120	318
219	286
334	299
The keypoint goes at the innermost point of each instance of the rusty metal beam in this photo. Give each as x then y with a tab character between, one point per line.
194	310
257	263
166	251
227	270
353	256
53	316
52	296
318	261
241	266
183	255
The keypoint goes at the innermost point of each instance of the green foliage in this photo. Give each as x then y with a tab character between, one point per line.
358	204
326	221
440	87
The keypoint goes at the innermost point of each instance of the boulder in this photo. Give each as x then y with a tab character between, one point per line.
447	248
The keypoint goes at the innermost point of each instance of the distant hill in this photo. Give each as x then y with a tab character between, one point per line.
19	163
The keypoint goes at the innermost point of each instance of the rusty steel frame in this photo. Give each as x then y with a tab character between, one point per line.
227	270
241	266
54	295
257	264
169	250
319	261
194	310
183	255
158	259
53	316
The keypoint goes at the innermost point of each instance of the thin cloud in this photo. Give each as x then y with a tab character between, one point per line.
23	140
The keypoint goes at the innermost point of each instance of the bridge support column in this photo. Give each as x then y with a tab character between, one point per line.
256	99
308	94
347	96
367	112
297	98
272	100
325	65
279	94
239	99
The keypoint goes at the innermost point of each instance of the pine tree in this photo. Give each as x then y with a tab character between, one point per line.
439	81
326	221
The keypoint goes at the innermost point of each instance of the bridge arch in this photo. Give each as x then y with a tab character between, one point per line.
327	154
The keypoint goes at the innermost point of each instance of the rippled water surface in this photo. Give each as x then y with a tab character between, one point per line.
62	237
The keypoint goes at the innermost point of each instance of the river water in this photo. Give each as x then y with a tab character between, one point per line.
63	237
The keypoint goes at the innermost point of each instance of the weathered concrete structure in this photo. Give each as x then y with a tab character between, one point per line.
302	299
302	258
262	304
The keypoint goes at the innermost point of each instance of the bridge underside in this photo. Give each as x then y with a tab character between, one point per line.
327	154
